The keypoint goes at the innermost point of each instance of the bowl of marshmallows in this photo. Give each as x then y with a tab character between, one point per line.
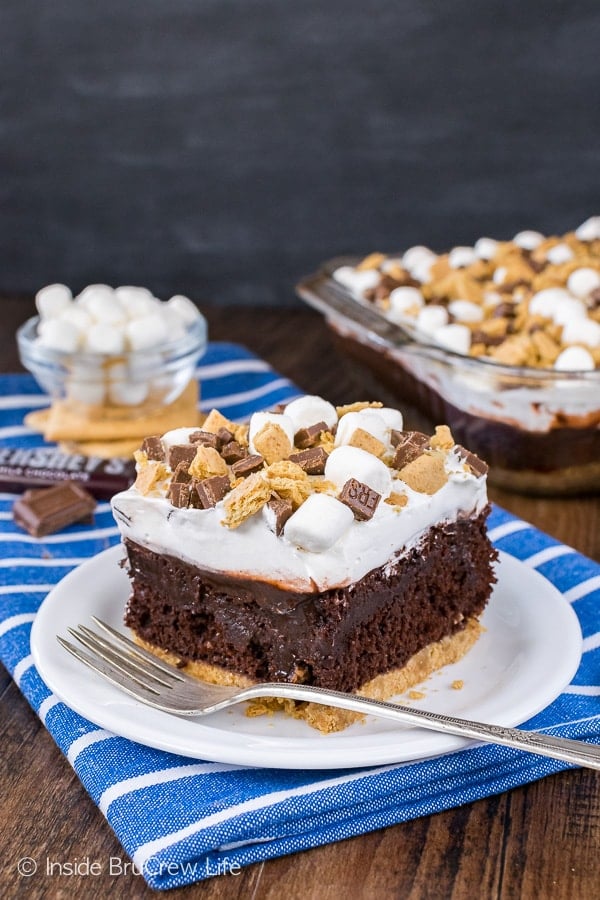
120	348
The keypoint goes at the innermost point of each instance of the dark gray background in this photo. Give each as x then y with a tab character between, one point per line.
222	148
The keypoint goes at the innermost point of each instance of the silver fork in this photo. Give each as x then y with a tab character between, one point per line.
164	687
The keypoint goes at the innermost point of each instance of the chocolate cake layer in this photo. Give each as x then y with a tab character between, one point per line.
336	639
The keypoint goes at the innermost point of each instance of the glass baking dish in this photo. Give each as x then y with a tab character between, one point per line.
538	429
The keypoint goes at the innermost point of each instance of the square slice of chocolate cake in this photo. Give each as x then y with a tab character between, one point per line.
331	548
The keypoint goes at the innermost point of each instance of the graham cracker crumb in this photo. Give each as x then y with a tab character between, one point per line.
245	500
216	420
289	481
356	407
207	462
425	474
272	443
326	441
373	261
320	485
458	684
150	476
397	500
416	695
365	441
324	718
442	439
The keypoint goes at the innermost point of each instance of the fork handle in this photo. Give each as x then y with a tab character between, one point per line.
575	752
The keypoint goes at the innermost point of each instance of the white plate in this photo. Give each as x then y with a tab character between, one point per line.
529	652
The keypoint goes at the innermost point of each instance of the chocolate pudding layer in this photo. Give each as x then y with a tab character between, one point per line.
339	638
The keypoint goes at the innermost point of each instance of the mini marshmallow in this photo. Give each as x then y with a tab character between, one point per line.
94	291
432	317
368	420
582	282
137	301
187	311
390	263
77	316
453	337
575	359
309	410
528	240
145	365
104	338
422	271
392	417
459	257
175	327
357	281
318	524
486	248
465	311
492	298
417	255
88	392
499	275
177	436
581	331
568	310
258	421
57	335
53	300
147	331
127	393
559	254
403	299
545	302
352	462
589	230
106	308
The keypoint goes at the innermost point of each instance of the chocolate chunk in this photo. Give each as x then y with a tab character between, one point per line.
224	436
179	494
594	299
211	490
361	499
153	448
538	265
246	466
312	460
46	510
181	474
308	437
387	283
206	438
181	453
282	510
504	310
477	466
233	452
489	340
411	445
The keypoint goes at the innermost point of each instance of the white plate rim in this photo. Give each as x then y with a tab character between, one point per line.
230	737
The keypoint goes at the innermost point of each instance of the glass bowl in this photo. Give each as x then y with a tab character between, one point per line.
538	429
130	384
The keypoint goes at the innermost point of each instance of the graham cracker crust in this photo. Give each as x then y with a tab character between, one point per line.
324	718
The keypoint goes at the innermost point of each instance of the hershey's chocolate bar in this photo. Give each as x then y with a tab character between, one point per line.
361	499
46	510
26	467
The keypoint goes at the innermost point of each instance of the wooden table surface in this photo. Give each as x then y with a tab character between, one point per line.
539	841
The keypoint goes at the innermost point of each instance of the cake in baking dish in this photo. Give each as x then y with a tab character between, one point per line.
316	545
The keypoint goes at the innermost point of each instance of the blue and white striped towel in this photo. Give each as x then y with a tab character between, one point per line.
183	821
